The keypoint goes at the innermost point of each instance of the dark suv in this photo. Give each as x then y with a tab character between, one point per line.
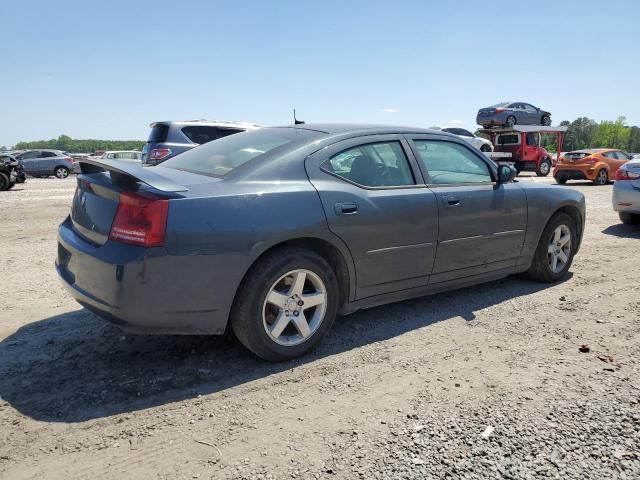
168	139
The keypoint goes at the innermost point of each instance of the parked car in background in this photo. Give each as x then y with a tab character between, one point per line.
598	165
11	172
43	163
134	156
276	230
626	192
508	114
168	139
523	143
479	142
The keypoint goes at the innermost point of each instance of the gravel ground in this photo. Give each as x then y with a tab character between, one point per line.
484	382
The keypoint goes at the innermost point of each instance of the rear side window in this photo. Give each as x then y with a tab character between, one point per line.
450	163
47	155
533	139
382	164
218	158
622	156
158	133
200	134
576	155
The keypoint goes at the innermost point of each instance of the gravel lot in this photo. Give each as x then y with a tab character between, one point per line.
485	382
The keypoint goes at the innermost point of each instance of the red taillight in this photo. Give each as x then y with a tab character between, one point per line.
71	159
159	153
140	220
623	174
589	160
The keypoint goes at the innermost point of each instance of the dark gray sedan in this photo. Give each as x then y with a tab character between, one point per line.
508	114
277	230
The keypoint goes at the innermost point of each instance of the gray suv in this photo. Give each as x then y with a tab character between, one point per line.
168	139
43	163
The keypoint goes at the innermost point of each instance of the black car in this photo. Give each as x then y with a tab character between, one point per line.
168	139
11	172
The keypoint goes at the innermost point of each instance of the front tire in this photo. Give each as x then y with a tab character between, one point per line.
602	178
4	182
629	218
545	121
544	168
61	172
554	254
285	304
561	179
511	121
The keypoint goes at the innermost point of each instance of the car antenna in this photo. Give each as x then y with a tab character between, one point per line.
295	120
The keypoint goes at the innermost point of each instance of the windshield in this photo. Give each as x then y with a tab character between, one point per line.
219	157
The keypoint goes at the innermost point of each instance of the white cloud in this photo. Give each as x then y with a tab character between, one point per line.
390	110
456	122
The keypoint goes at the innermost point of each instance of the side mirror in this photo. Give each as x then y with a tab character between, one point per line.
506	173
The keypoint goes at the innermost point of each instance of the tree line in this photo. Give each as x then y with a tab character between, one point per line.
68	144
584	132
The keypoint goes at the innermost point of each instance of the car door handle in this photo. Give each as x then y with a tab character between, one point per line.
346	208
452	201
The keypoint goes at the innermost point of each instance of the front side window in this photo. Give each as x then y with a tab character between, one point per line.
382	164
451	163
610	155
29	155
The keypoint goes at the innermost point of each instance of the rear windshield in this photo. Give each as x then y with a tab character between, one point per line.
158	133
498	105
575	155
508	139
226	154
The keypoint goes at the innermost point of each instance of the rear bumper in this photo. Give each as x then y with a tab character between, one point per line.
625	197
573	174
142	290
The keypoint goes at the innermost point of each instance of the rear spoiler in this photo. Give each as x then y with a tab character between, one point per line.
127	172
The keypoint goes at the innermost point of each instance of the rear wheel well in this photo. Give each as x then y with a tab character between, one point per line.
575	214
326	250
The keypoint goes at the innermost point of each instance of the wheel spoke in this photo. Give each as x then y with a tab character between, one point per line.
556	235
312	299
280	324
554	262
563	256
565	239
302	325
298	283
551	249
278	299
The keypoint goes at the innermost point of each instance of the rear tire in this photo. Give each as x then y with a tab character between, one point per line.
545	121
61	172
511	121
629	218
602	178
552	241
255	319
544	168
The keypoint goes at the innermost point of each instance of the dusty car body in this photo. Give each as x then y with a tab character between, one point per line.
277	230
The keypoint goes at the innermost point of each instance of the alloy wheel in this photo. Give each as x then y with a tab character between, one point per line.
62	172
294	307
602	177
545	167
559	250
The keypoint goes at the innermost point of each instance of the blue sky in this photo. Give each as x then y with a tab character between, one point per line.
92	69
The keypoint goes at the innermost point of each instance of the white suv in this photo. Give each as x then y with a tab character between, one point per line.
481	143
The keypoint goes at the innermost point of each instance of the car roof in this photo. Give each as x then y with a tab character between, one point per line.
359	128
209	123
594	150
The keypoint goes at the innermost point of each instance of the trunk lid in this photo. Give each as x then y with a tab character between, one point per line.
98	194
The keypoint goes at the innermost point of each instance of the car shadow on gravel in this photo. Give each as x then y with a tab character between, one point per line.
75	367
623	230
